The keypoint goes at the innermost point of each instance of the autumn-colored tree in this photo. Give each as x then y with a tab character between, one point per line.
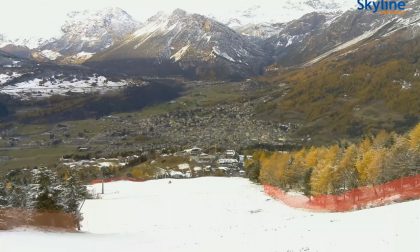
321	182
365	146
322	178
274	169
311	159
414	138
382	139
370	166
345	176
400	160
253	166
297	169
323	170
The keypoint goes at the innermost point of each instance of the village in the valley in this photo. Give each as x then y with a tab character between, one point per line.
189	163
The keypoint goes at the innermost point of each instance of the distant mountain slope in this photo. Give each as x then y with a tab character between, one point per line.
26	79
278	11
89	32
183	44
316	34
371	84
30	42
8	60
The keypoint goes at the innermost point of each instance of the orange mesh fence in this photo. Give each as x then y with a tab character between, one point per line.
107	180
363	197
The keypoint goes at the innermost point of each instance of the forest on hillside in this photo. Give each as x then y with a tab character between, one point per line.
336	169
42	199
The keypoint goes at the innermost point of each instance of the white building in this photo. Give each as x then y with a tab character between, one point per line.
230	153
184	167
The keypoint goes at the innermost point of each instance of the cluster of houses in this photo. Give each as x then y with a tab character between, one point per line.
97	162
195	163
228	163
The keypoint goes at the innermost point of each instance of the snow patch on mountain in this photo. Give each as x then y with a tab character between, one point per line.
156	23
216	51
178	55
83	55
51	55
92	31
263	30
347	44
183	37
279	12
55	85
14	64
6	77
30	42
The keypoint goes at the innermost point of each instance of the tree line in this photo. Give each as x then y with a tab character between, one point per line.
335	169
45	191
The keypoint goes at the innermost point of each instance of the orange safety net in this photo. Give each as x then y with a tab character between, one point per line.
369	196
11	218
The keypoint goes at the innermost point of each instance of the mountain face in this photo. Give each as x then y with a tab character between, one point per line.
261	31
196	46
366	80
30	43
24	79
21	47
89	32
19	51
8	60
338	74
281	12
317	34
183	44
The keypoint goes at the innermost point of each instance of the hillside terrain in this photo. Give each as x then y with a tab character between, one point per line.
278	126
184	44
182	79
370	86
210	214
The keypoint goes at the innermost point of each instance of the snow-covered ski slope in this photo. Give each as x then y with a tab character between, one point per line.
220	214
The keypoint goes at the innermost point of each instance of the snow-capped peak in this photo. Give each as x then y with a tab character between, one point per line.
30	42
90	25
195	28
161	21
280	12
92	31
187	41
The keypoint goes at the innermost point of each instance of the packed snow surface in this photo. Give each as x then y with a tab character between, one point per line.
5	77
50	54
219	214
41	88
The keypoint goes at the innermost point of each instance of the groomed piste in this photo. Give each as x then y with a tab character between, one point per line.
219	214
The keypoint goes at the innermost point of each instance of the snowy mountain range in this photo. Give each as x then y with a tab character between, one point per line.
284	11
83	34
183	42
88	32
179	43
30	42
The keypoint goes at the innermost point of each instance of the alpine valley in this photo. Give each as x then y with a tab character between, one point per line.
315	72
241	125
